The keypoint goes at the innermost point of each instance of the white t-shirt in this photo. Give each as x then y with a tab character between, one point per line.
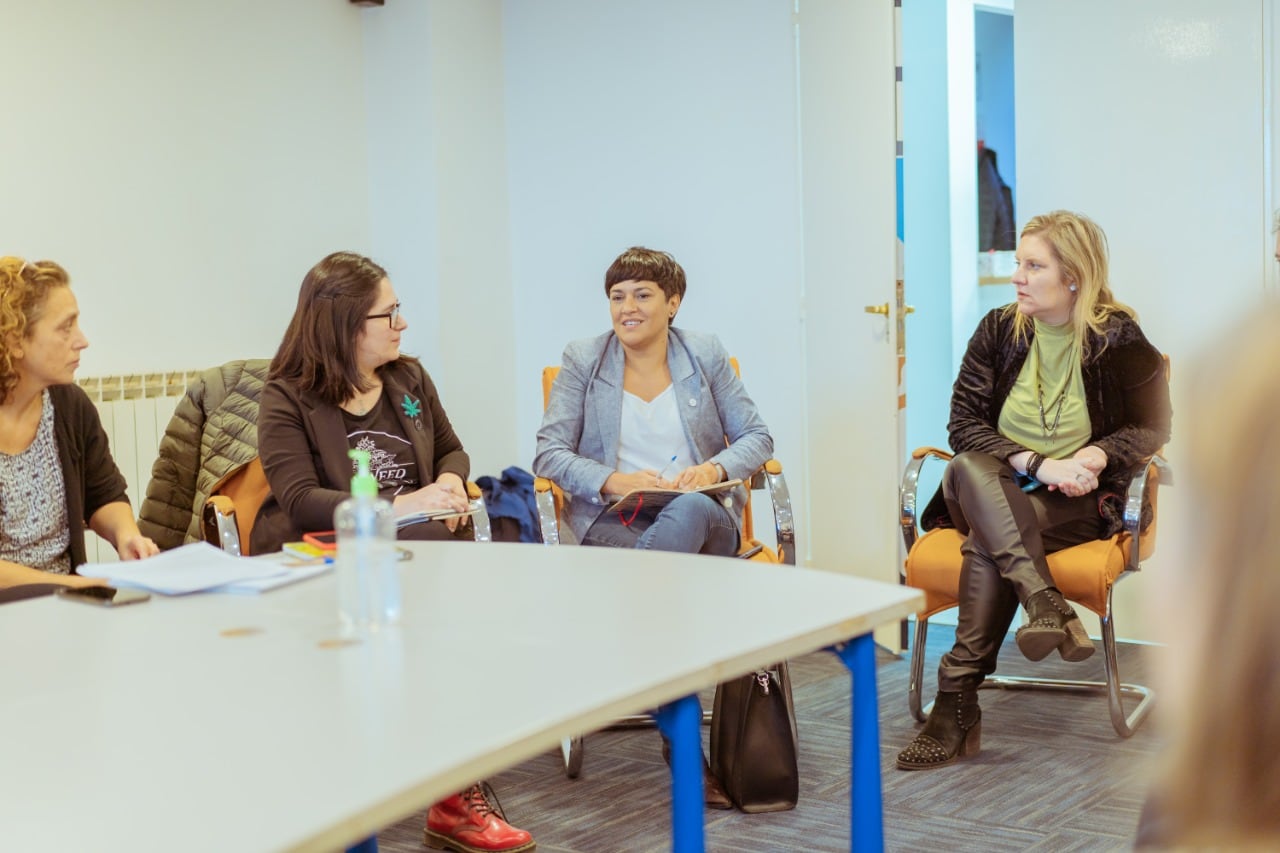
651	433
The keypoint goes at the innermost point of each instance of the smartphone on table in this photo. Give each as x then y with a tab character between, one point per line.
103	596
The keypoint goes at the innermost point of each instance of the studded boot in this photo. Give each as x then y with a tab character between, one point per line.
953	730
1052	624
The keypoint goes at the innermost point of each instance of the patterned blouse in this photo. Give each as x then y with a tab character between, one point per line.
33	502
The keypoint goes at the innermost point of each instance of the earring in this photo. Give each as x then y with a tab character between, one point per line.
1071	287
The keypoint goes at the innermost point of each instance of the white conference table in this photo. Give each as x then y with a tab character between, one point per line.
223	722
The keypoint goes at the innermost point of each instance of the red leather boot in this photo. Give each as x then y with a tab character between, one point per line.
468	823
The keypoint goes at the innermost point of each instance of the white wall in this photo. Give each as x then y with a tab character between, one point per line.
186	162
1159	136
666	124
439	206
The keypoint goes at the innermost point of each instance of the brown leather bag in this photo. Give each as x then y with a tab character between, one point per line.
754	745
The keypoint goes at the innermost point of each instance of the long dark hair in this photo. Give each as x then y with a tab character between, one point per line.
318	353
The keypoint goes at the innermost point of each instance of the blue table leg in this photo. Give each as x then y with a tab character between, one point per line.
369	845
866	808
681	722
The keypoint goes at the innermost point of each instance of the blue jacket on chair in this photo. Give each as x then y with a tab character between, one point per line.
511	496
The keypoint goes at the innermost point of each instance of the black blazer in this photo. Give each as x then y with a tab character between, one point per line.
302	442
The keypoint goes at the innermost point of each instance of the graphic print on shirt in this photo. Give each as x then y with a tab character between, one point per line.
391	460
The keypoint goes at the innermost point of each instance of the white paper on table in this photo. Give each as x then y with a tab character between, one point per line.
291	568
190	568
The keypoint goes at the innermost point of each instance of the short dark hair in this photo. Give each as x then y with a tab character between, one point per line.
318	353
641	264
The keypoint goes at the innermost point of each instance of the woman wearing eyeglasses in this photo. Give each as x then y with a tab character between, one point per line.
337	383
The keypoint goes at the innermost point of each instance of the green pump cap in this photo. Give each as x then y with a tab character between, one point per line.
363	484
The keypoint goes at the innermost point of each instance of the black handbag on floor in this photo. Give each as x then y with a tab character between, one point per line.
754	745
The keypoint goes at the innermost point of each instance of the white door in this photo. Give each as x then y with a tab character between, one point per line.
847	153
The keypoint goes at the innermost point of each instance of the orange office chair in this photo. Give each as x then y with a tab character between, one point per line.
550	500
1085	574
229	512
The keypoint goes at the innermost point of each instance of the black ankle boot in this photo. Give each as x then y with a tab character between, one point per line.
953	730
1052	624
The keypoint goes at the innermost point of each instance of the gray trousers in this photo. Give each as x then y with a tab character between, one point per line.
1007	534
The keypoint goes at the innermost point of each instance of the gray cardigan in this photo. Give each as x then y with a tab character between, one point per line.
578	439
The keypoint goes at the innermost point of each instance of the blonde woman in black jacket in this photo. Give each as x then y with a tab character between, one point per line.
1060	399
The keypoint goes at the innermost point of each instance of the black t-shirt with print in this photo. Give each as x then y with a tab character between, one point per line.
391	459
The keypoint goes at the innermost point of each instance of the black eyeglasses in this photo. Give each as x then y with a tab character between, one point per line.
392	316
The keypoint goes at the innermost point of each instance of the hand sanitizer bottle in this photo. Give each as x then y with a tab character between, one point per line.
368	584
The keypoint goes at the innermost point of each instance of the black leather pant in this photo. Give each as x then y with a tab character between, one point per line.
1007	533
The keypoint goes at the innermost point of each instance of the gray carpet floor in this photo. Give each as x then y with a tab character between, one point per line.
1052	774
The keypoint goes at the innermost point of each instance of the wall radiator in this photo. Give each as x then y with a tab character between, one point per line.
135	410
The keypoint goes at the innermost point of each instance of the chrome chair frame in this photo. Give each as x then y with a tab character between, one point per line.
1113	688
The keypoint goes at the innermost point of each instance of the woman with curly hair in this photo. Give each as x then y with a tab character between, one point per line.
57	476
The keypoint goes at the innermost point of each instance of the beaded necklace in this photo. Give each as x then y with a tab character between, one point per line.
1049	431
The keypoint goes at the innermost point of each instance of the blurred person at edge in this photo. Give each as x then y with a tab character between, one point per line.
1216	784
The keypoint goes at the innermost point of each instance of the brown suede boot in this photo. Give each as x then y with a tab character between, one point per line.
1052	624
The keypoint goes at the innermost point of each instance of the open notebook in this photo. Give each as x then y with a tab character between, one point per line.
431	515
655	499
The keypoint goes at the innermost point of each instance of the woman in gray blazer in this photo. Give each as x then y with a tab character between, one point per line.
647	406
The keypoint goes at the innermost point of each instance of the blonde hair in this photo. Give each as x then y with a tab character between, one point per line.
1080	248
1220	782
24	290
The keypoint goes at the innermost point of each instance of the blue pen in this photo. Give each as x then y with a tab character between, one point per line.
668	475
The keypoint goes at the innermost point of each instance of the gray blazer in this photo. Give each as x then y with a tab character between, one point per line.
578	439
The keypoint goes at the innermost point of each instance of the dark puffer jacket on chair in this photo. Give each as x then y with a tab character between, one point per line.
213	431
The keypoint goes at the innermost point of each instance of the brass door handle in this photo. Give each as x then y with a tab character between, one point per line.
883	310
909	309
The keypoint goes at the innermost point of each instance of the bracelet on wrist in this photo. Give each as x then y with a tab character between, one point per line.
1034	463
